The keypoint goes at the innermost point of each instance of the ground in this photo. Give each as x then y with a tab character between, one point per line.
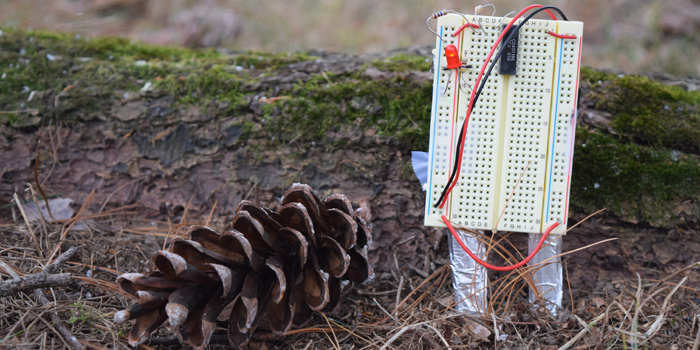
145	140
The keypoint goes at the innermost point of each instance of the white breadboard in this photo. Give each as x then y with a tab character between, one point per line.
522	127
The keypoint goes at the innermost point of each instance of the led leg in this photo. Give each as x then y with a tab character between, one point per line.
548	279
469	278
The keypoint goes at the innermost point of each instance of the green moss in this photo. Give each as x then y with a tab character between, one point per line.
628	178
652	162
592	76
399	108
266	60
651	112
98	67
403	63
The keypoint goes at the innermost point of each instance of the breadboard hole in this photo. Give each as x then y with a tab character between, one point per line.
474	203
557	206
527	130
517	148
436	192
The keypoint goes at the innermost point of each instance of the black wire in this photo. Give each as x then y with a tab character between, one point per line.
481	87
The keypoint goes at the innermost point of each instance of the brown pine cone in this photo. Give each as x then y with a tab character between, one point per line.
270	269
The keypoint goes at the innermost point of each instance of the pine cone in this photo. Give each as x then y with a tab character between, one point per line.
269	269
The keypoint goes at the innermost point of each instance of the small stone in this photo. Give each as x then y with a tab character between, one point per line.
480	332
549	340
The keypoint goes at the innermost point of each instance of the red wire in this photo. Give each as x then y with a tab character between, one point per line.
499	268
561	36
471	99
460	29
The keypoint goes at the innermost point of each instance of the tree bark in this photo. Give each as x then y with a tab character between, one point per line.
38	280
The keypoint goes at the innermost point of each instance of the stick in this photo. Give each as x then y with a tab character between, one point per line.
511	196
31	231
211	212
39	294
251	190
398	294
36	180
582	333
385	312
662	315
440	336
117	190
38	280
406	328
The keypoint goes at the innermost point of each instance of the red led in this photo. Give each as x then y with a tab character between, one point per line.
452	56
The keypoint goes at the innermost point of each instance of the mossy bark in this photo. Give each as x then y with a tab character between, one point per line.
162	127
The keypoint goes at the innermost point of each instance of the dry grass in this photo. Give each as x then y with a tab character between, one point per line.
397	311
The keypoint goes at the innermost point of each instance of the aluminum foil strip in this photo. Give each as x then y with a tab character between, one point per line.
469	278
548	279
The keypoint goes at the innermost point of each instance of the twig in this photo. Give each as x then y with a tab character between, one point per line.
431	342
385	312
43	221
18	111
584	219
31	231
384	292
8	269
332	331
211	212
440	336
438	271
398	294
37	280
54	148
62	259
177	227
36	180
693	265
697	340
511	196
568	283
662	316
581	333
394	337
39	294
416	325
495	328
251	190
117	190
70	224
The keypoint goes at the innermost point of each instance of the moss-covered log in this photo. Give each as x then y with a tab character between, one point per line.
157	126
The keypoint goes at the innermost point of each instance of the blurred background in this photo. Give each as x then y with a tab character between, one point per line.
623	35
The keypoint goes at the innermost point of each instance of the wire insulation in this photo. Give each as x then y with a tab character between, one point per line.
561	36
460	29
494	267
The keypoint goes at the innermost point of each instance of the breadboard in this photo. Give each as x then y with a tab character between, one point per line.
521	130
